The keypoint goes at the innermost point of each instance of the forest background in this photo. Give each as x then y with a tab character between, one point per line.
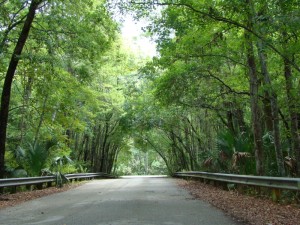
221	94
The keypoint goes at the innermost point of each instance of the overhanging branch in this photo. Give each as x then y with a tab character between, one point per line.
219	18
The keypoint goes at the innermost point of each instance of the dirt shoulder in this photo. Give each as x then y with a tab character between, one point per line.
249	209
8	200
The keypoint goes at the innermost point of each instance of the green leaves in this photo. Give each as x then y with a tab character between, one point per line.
78	83
56	87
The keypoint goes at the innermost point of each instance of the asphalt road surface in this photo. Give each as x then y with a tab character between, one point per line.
129	200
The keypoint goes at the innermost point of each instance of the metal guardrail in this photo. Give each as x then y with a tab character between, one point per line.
261	181
86	175
13	182
10	182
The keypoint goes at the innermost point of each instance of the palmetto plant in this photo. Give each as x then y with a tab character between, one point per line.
34	158
59	162
229	144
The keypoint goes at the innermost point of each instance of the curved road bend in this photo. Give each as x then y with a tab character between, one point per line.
129	200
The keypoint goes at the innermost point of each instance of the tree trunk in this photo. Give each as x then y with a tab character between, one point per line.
6	92
255	110
24	110
229	116
267	116
274	110
37	133
239	115
103	148
293	114
254	98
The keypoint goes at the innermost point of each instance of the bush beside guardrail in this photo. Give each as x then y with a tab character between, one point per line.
274	183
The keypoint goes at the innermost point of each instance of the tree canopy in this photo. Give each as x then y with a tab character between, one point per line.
220	95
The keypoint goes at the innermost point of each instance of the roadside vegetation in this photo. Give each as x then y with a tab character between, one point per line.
221	95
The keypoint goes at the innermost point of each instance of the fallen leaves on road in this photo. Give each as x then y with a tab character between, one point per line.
249	209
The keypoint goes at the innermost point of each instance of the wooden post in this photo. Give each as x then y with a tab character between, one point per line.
49	184
39	186
276	193
14	189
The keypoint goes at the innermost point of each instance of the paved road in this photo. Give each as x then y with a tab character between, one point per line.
130	200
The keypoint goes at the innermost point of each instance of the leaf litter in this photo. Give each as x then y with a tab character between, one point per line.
244	208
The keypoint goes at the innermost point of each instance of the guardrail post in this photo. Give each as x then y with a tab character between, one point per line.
276	193
39	186
49	184
240	188
28	187
13	189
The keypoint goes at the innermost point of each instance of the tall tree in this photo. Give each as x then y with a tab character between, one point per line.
6	91
254	90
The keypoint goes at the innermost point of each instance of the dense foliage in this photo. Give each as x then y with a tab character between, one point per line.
221	95
224	88
63	104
